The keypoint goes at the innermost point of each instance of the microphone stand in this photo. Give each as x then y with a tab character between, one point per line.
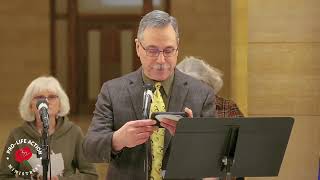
146	163
229	152
45	156
145	114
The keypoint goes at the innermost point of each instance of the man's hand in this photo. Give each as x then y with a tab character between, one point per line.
189	112
133	133
171	124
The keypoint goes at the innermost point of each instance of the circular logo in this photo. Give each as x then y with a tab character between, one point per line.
20	153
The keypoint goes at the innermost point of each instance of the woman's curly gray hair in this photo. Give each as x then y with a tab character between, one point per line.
41	84
199	69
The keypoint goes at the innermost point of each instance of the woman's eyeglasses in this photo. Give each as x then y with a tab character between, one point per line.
48	98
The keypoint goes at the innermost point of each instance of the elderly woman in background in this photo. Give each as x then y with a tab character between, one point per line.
19	158
199	69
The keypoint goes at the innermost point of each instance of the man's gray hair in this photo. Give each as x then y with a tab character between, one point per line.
41	84
157	19
200	70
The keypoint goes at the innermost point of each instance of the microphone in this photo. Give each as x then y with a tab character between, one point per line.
42	107
147	99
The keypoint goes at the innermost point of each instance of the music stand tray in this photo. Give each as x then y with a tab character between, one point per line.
254	147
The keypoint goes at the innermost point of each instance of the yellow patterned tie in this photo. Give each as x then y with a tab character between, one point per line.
157	138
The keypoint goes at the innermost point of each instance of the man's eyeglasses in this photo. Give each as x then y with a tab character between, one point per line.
48	98
155	52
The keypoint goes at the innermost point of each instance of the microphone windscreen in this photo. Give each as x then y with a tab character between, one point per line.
42	103
148	87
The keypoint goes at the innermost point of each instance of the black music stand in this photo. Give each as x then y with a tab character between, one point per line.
225	147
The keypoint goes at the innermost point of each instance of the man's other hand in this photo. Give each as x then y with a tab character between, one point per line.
133	133
171	124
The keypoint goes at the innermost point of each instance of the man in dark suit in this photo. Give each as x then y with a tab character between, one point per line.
118	134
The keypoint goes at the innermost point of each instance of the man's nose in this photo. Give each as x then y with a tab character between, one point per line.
161	58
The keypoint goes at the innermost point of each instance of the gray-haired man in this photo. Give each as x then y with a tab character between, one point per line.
118	132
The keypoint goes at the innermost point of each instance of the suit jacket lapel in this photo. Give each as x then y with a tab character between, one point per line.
135	89
176	101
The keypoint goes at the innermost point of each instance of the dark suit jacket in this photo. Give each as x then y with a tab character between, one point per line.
120	101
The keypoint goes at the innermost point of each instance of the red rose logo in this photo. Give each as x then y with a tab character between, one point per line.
23	154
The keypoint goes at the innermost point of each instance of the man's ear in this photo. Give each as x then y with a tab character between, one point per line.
178	40
137	46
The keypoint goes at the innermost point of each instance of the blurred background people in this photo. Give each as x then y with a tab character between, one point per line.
19	157
199	69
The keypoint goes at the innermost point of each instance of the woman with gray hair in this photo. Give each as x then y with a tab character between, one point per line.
20	156
199	69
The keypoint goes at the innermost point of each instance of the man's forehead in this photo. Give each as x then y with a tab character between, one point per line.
160	32
159	38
